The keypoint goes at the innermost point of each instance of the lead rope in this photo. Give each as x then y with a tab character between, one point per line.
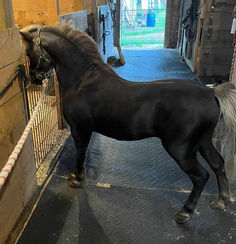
6	170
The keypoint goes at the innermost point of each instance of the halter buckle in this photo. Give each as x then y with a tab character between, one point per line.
38	41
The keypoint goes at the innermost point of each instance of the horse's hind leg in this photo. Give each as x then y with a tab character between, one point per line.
81	139
199	176
216	162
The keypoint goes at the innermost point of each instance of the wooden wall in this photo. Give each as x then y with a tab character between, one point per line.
171	29
102	2
21	184
28	12
211	51
47	12
6	20
70	6
2	16
215	52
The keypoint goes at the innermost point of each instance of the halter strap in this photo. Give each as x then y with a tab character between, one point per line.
44	57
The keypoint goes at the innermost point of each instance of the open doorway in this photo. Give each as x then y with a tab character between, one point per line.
142	23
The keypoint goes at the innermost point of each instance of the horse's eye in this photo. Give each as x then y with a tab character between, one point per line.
33	30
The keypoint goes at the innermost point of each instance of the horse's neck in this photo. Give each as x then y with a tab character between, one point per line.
68	62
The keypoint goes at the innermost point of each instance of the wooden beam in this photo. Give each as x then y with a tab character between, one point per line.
53	18
91	6
11	51
7	5
2	16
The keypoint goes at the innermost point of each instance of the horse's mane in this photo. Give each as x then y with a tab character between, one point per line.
86	45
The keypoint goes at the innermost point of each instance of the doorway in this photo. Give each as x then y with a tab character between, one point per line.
142	24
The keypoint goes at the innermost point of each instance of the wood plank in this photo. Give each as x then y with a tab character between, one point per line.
10	47
217	23
220	5
2	16
8	13
117	25
101	2
10	140
7	73
91	6
11	111
19	188
213	70
35	12
219	39
171	33
216	56
70	6
53	18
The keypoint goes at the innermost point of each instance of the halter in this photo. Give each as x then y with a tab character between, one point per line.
43	58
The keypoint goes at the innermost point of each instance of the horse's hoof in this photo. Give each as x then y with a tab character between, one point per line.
217	204
182	217
74	182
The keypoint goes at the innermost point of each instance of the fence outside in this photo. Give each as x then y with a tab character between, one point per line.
143	27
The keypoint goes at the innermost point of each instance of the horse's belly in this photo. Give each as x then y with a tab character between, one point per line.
124	131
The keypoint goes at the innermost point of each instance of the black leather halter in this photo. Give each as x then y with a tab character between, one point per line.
43	58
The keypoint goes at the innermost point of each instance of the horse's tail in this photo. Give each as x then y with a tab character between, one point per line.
225	132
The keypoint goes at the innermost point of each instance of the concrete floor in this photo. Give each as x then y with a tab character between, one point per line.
146	186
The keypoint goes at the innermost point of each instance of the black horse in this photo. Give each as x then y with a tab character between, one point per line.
94	98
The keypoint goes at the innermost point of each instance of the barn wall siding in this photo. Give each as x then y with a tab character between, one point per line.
171	29
29	12
70	6
216	51
21	183
211	51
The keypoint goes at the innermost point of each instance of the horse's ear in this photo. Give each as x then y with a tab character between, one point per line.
28	33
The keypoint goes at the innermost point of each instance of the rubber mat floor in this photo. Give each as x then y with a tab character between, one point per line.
132	189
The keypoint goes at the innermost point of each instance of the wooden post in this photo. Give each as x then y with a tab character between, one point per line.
52	12
61	121
117	25
6	14
2	16
91	6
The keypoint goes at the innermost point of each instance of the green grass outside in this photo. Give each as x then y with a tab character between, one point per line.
147	41
139	35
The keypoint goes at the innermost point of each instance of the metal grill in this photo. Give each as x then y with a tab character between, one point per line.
45	130
140	28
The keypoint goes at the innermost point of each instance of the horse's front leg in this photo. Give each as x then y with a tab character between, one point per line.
81	139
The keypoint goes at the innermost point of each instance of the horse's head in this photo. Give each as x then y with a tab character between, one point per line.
40	61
